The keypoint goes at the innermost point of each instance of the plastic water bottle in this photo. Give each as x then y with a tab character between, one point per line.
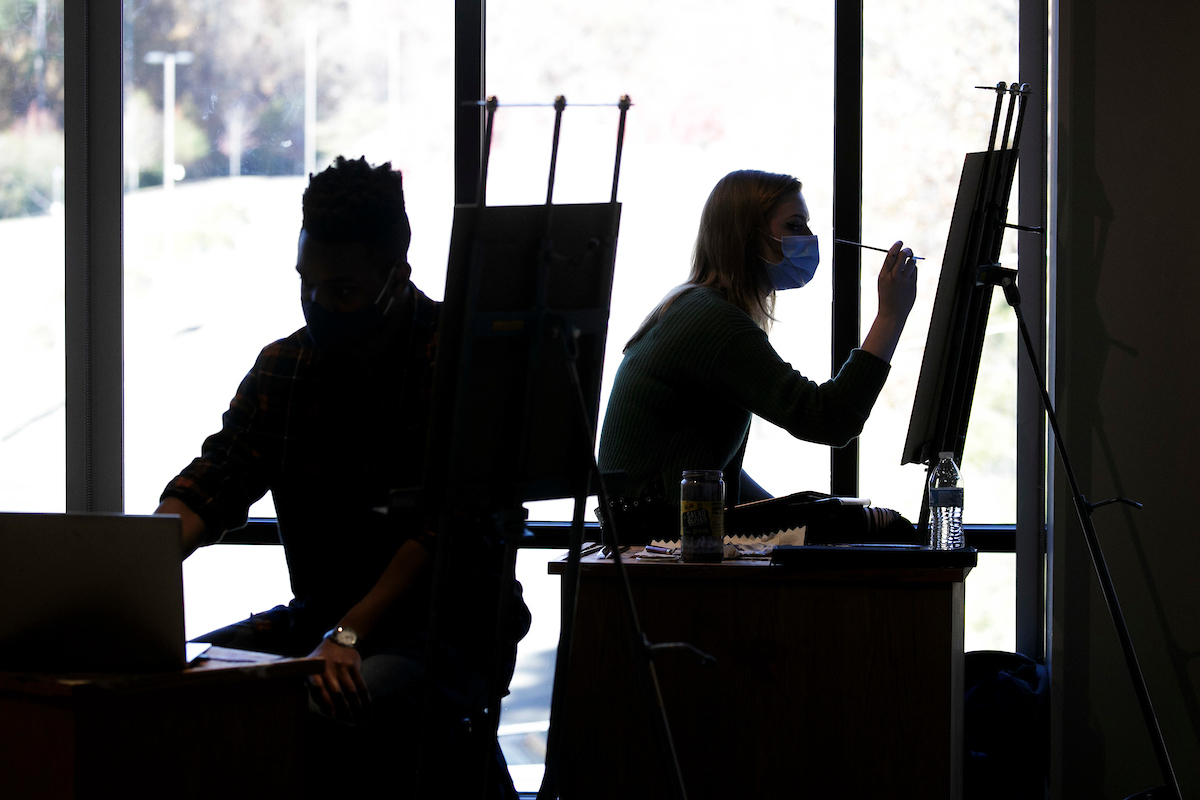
945	505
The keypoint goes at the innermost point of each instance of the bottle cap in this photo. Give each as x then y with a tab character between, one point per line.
946	454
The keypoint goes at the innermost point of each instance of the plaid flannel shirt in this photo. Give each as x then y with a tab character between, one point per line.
329	437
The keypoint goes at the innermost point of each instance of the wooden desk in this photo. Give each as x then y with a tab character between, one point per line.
840	682
216	729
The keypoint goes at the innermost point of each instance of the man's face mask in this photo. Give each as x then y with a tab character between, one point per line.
335	330
799	264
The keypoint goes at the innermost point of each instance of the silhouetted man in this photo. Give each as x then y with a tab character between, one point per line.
330	419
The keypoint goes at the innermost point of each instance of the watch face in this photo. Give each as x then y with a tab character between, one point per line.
345	637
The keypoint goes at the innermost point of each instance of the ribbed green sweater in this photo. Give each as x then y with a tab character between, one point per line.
685	392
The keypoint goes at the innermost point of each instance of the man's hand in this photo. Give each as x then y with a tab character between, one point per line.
193	525
339	690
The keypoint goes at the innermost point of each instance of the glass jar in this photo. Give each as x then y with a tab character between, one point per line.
702	515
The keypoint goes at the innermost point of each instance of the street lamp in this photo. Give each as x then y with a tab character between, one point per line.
169	60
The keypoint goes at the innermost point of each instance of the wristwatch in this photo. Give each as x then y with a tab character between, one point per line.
346	637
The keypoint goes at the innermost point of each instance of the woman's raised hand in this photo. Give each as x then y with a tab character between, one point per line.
897	283
897	293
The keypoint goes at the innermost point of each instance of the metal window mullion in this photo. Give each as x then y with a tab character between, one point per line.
93	264
1032	210
847	213
470	26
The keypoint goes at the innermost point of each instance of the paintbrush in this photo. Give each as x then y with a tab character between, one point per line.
869	247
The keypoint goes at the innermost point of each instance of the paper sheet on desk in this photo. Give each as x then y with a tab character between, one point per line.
227	655
735	546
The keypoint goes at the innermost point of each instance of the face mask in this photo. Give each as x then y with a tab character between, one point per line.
335	330
799	264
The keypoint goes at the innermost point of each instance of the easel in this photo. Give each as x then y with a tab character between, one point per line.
516	398
976	273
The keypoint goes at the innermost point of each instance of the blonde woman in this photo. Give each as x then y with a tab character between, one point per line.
700	364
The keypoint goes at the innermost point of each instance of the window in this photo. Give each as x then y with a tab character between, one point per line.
921	114
32	405
716	87
219	136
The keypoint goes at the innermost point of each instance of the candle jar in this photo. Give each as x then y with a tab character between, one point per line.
702	515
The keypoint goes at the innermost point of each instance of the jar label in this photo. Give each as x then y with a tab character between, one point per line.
702	518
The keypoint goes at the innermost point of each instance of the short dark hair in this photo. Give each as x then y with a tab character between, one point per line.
352	201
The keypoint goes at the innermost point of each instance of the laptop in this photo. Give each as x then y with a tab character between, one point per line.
91	593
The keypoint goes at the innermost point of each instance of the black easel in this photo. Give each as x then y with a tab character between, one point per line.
995	275
988	221
945	392
495	444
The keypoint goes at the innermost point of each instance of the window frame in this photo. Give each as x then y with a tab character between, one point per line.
93	221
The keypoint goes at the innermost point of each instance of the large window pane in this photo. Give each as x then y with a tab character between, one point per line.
717	86
32	408
921	115
221	130
991	604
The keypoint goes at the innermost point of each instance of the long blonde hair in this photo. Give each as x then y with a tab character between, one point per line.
726	256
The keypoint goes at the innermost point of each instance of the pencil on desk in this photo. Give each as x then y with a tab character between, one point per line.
869	247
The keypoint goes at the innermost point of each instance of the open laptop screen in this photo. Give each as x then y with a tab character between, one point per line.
90	593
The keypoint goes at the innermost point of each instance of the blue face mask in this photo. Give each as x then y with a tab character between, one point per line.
336	330
799	264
